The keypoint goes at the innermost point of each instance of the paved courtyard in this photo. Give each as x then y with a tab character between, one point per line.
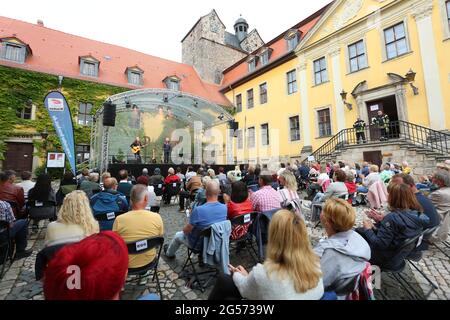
19	282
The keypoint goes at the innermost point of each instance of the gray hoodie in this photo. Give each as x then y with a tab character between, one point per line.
342	256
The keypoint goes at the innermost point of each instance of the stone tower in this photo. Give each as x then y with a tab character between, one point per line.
210	49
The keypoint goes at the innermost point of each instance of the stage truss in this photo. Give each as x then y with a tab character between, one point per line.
182	106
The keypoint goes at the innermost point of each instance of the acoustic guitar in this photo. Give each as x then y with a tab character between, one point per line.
137	149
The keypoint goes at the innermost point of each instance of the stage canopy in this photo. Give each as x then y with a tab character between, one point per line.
152	115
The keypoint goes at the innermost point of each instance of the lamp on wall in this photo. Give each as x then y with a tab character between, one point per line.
411	77
344	100
60	80
127	103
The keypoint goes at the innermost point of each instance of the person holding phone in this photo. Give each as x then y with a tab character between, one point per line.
280	278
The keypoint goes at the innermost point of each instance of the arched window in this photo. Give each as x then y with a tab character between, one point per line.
241	28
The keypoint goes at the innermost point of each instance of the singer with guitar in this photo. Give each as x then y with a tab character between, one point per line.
136	148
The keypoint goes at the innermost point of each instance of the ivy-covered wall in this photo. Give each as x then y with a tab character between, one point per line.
17	86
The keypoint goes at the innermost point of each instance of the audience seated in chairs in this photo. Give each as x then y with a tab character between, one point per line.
156	178
316	184
404	221
289	193
266	199
91	185
67	185
201	218
11	193
139	224
238	204
75	221
441	200
41	203
193	185
370	179
26	183
222	176
290	272
200	196
102	261
107	202
125	184
153	204
351	186
18	230
343	255
169	181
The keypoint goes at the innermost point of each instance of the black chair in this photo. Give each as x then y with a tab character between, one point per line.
143	246
172	190
196	249
247	239
416	256
344	287
260	228
107	216
41	210
43	258
159	189
316	218
395	273
6	247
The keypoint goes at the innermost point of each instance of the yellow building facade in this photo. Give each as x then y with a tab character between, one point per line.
364	48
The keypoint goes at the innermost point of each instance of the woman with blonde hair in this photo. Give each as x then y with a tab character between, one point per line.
291	270
289	192
75	221
344	254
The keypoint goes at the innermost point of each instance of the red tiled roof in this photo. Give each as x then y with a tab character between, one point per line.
57	53
278	45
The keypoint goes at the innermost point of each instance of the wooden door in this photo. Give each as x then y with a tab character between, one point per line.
374	157
19	157
372	111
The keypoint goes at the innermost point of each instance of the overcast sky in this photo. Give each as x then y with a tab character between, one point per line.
156	27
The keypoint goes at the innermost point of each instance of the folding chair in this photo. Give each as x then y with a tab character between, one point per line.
261	230
159	189
41	210
43	258
172	190
247	239
404	250
6	247
143	246
196	249
107	216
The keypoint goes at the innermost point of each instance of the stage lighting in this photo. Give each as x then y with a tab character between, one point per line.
127	103
196	104
221	117
135	107
166	98
189	116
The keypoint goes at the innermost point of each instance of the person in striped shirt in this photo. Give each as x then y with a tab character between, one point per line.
266	198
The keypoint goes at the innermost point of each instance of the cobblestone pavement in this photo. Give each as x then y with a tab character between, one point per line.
19	283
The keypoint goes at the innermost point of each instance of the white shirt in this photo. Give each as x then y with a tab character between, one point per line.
189	175
27	185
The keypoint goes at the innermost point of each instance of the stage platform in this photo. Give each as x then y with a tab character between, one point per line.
136	169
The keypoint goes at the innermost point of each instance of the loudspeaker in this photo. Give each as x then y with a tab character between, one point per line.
234	125
109	114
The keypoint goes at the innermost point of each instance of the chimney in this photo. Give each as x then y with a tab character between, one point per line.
40	23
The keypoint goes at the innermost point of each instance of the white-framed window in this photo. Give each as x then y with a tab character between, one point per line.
263	93
292	81
25	113
324	122
240	139
14	52
251	137
239	103
135	78
250	99
252	65
173	84
357	56
294	128
320	71
265	134
83	153
292	39
85	114
265	58
89	68
396	42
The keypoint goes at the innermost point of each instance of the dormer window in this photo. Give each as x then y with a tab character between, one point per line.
13	49
89	66
173	83
292	39
252	64
264	56
135	75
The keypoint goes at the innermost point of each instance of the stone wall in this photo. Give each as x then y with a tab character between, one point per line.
252	42
421	163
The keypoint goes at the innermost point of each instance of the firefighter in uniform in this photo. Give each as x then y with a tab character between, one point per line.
360	127
382	122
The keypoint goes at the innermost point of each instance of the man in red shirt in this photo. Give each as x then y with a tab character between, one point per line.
12	193
171	179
